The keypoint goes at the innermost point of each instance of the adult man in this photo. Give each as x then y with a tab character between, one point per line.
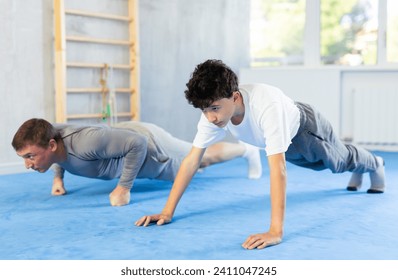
127	151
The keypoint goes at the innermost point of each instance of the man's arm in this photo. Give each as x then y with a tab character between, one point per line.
187	170
277	166
133	147
106	147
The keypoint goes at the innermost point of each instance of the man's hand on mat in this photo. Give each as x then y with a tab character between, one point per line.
262	240
160	219
58	187
119	196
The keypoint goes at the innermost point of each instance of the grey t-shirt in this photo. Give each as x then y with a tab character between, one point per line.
127	151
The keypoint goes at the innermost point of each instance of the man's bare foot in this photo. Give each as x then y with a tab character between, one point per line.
119	196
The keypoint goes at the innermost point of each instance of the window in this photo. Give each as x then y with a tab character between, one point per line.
277	32
323	32
349	32
392	31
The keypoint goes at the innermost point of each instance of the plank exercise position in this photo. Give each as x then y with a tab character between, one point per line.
264	116
127	151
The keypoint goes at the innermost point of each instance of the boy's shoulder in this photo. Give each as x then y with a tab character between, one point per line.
259	93
259	88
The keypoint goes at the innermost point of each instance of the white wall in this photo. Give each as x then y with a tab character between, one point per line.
369	108
319	87
175	35
24	75
372	124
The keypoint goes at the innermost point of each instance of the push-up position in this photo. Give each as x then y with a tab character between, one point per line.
127	151
264	116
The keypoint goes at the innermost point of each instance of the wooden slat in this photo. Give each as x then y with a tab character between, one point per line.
60	61
61	65
98	40
97	15
90	90
96	65
134	60
94	116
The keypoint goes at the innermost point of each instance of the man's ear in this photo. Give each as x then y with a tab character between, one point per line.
53	145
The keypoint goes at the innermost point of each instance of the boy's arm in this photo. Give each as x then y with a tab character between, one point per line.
277	166
187	170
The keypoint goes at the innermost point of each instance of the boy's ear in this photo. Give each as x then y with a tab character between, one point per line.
236	95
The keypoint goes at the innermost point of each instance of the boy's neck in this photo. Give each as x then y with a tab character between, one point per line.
239	111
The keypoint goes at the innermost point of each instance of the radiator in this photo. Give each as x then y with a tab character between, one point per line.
375	117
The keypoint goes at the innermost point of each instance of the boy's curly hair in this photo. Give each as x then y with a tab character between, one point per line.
211	80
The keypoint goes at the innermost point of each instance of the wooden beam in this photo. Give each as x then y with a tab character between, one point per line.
98	40
60	61
95	116
97	15
134	59
61	65
99	90
96	65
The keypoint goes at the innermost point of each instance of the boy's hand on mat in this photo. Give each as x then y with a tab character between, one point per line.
160	219
262	240
58	187
119	196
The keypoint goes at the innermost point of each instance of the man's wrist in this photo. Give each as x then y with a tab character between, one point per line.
58	179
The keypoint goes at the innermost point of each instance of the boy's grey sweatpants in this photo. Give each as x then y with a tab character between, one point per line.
317	147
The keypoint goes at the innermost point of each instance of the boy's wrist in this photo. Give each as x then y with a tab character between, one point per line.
167	212
276	229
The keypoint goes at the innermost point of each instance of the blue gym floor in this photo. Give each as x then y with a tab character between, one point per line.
217	213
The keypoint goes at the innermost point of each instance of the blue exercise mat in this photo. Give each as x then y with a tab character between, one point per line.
219	210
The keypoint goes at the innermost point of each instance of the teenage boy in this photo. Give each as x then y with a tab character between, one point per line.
263	116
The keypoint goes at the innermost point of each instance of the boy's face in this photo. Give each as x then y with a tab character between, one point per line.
221	111
36	157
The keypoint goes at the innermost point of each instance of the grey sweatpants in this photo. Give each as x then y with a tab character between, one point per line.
174	147
317	147
165	152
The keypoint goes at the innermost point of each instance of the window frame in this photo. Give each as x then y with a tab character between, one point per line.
312	55
312	36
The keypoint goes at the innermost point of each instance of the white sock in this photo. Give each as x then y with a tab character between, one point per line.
252	155
355	180
377	177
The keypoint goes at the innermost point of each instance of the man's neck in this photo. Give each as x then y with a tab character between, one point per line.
60	154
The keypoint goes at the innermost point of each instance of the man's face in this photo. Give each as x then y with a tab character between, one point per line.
220	112
36	157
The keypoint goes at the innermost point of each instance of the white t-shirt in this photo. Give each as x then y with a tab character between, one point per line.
271	121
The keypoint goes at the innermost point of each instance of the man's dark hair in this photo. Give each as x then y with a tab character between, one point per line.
211	80
35	132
